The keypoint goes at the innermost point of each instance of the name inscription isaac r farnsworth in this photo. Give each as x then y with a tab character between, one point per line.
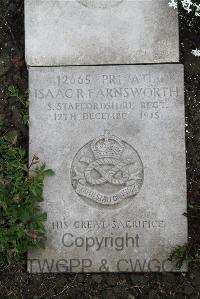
110	133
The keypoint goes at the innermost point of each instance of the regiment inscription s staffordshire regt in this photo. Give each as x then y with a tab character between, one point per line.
114	137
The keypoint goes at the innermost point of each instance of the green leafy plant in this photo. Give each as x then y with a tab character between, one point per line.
22	99
21	187
185	254
194	207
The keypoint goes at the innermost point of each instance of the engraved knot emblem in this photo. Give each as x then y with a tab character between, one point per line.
107	170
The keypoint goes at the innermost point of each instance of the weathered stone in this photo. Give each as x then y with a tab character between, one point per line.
90	32
114	136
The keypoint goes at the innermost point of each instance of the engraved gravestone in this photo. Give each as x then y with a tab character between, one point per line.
114	136
91	32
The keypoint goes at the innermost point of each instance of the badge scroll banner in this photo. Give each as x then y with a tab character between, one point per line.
107	199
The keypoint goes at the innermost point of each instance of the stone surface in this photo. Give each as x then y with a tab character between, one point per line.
90	32
114	136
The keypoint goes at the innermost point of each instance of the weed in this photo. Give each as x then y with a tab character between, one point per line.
22	99
21	221
185	254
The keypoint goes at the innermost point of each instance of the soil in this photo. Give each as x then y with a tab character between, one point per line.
15	282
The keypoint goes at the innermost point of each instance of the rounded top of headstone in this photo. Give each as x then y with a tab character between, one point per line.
100	4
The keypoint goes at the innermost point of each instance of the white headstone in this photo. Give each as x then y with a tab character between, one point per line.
92	32
114	136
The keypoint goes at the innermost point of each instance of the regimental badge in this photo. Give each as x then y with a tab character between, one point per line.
107	170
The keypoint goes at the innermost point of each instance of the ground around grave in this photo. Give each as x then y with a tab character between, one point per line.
15	282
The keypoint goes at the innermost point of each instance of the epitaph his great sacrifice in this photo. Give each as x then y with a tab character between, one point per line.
90	32
114	136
